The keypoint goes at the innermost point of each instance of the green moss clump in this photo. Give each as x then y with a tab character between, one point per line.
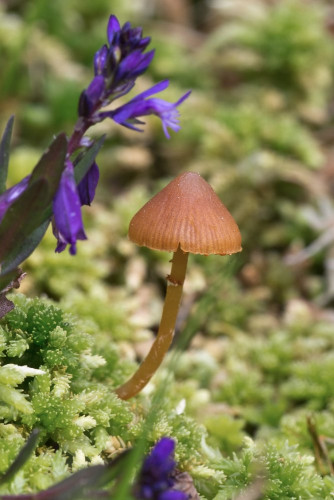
282	473
57	374
47	380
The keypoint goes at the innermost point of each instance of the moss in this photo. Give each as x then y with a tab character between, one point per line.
260	364
62	381
49	383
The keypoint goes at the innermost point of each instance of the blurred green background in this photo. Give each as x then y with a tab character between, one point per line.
259	127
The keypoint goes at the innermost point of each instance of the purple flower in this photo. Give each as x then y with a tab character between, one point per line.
90	98
155	480
141	106
133	65
87	185
67	225
100	60
11	194
117	66
113	28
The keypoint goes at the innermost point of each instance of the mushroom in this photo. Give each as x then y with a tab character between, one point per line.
186	216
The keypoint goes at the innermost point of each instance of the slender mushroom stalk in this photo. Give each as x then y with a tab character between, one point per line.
186	216
165	335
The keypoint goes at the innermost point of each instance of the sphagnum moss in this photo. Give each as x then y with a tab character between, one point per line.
63	398
58	381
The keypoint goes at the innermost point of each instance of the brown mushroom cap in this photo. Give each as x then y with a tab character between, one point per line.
187	212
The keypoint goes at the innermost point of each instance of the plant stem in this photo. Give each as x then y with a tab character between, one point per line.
79	130
166	329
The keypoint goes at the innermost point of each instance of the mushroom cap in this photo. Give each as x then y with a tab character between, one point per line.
189	214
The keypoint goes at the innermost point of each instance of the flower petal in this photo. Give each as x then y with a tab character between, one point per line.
87	185
133	65
100	60
166	111
158	87
155	480
173	495
68	226
112	28
91	96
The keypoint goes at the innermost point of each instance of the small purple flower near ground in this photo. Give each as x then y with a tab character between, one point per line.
155	480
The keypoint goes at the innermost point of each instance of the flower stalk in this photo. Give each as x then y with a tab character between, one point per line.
117	65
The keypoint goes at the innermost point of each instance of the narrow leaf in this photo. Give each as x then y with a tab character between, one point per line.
23	455
85	483
23	217
51	164
33	207
21	253
4	153
82	485
86	161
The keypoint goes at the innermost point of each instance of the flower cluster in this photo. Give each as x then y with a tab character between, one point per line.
155	480
116	67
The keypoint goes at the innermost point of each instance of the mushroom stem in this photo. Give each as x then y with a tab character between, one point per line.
165	335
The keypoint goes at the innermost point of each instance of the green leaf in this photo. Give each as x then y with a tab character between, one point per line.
84	483
4	153
82	167
26	221
51	164
33	207
22	457
19	254
23	217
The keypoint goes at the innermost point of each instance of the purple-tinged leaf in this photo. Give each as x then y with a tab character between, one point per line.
10	195
33	206
19	254
4	153
23	217
52	163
